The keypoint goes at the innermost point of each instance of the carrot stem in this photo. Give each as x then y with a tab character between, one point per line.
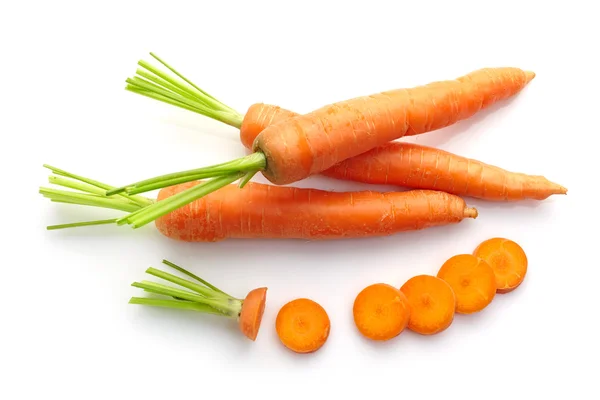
142	201
78	224
253	162
165	290
148	214
203	290
188	81
193	276
177	304
160	85
88	199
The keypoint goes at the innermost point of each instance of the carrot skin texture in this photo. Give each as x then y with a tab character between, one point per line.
422	167
279	212
252	312
309	144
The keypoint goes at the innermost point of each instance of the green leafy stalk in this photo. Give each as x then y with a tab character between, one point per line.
85	223
142	201
201	297
176	304
191	275
175	89
250	163
150	213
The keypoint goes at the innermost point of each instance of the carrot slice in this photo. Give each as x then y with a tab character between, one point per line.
432	304
303	325
252	312
381	312
507	259
472	280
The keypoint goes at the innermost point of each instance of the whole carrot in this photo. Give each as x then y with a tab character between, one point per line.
301	146
267	211
271	212
414	166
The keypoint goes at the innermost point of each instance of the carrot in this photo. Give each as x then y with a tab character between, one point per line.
415	166
472	280
304	145
205	298
507	259
274	212
381	312
302	325
432	304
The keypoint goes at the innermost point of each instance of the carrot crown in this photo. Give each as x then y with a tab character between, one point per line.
202	296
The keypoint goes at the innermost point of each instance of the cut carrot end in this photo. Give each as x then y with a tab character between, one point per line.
529	75
471	212
302	325
252	312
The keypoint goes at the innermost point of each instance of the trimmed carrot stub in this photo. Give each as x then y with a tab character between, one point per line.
381	312
270	212
201	296
472	280
507	259
302	325
304	145
432	304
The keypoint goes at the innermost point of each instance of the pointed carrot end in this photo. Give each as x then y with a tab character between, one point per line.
529	75
471	212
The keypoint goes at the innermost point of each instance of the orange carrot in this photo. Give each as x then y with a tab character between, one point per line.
302	325
415	166
205	298
381	312
275	212
267	211
507	259
432	304
472	280
309	144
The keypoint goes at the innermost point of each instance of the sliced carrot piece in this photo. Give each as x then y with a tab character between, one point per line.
252	312
507	259
381	311
303	325
432	304
472	280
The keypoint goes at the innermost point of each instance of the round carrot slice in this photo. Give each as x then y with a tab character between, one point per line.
472	280
507	259
432	304
252	312
381	311
302	325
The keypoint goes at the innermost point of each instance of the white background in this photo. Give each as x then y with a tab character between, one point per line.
67	329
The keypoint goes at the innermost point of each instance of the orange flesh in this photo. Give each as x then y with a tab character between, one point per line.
507	259
432	304
302	325
381	312
252	312
472	280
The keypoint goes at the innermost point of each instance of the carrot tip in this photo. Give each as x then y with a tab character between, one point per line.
471	212
529	75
